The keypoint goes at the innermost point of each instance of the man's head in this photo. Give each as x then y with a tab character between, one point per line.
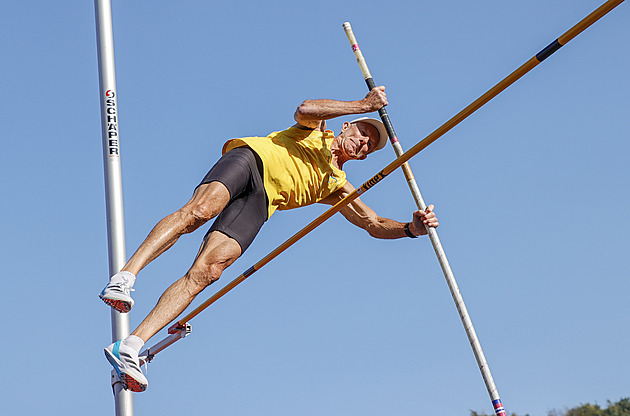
361	137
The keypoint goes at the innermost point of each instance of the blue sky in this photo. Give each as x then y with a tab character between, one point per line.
531	192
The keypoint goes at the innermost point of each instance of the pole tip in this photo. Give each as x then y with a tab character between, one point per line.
346	26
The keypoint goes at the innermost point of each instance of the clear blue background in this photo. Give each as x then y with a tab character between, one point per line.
531	192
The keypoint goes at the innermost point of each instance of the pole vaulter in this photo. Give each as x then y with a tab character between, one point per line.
181	328
432	232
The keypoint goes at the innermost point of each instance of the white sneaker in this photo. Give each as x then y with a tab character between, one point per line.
117	292
125	361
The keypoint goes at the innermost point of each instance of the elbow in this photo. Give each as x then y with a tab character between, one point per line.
304	114
301	111
373	229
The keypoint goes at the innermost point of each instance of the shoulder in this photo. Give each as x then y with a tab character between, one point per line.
345	190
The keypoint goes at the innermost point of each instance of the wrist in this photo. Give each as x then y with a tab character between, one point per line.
366	106
408	231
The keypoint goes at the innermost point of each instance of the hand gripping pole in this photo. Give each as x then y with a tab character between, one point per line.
417	148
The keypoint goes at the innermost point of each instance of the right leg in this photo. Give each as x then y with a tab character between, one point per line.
230	176
230	235
207	202
228	179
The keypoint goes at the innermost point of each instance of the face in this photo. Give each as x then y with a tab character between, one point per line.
359	139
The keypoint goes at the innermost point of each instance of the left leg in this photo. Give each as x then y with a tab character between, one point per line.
230	235
217	252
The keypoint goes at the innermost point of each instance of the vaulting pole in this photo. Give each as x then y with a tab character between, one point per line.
432	232
113	180
181	324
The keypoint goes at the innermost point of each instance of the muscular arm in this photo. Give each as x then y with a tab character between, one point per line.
364	217
314	113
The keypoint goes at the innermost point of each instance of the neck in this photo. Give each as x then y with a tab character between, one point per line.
339	156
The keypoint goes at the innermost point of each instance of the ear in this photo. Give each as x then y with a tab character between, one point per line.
345	126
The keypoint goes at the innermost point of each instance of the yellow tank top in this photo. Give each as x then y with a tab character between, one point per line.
296	164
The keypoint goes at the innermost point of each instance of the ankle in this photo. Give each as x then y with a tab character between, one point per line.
124	277
134	342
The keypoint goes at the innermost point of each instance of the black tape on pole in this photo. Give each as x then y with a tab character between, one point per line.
546	53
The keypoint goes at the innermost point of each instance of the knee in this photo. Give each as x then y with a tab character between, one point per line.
194	216
207	202
203	211
202	276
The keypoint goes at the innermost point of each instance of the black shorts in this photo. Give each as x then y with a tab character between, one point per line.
240	170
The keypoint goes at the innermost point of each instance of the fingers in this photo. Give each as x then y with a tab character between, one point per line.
380	92
426	217
377	98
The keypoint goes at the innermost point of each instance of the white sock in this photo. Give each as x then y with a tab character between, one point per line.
127	277
134	342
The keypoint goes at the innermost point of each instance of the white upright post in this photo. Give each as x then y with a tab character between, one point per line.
113	179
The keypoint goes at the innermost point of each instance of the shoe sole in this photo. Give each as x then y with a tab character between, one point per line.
120	305
128	382
131	384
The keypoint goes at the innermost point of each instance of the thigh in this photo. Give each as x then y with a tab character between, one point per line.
229	178
219	249
243	217
233	170
217	252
